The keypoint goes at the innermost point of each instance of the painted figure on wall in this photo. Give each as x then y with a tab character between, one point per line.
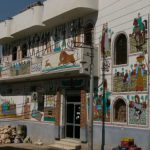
98	103
26	109
137	109
106	41
139	74
131	79
138	37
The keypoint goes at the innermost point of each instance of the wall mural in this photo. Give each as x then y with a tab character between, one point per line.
64	59
27	109
36	65
98	103
60	40
105	41
49	107
7	108
131	79
20	68
4	71
138	41
138	107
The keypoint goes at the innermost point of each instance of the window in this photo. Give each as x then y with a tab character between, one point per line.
24	50
14	53
119	113
88	37
120	50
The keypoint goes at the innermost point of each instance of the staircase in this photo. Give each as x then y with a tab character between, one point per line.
66	144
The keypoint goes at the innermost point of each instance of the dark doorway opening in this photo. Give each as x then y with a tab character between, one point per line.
73	117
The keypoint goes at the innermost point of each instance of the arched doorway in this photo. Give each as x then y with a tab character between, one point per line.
119	111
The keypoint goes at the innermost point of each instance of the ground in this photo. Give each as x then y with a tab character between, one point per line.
23	146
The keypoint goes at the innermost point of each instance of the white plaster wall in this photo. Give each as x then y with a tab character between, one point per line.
5	29
120	14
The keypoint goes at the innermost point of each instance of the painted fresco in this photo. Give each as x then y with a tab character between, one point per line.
133	78
36	65
58	61
105	41
138	108
138	38
60	43
35	113
20	68
7	108
4	71
27	109
49	108
107	66
98	103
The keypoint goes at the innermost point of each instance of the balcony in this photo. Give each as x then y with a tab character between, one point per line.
57	12
5	30
30	20
55	64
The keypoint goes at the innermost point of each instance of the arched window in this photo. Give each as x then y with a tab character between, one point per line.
88	37
119	111
120	50
14	53
24	50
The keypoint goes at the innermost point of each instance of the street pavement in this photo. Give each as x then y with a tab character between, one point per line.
23	146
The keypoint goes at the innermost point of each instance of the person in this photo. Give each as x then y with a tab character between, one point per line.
139	74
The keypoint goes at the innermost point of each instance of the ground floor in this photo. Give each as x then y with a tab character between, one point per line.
58	108
46	132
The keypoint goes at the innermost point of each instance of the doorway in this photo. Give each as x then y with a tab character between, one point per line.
73	108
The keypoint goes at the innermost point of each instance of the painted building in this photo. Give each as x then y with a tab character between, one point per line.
45	69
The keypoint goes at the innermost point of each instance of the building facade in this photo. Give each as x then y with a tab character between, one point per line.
45	69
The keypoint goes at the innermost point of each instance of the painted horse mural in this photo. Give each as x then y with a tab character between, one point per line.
139	33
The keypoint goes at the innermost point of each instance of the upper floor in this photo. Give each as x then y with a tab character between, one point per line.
67	47
42	15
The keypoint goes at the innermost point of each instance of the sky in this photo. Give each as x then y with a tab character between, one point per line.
9	8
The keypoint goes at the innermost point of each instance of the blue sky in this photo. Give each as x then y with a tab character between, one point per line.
9	8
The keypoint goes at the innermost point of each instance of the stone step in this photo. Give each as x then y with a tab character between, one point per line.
66	144
56	146
71	140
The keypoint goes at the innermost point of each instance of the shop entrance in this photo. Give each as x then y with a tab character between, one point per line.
73	117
